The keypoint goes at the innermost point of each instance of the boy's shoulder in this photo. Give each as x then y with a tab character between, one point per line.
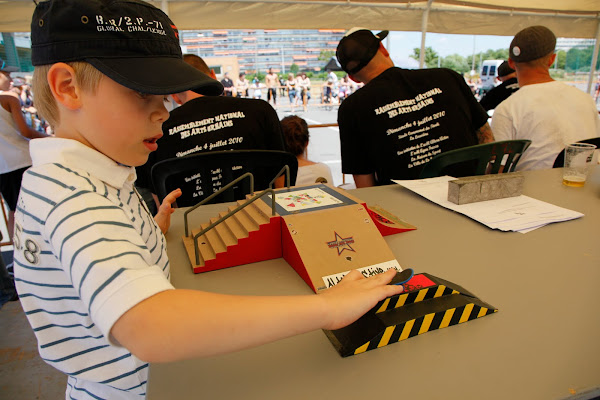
52	183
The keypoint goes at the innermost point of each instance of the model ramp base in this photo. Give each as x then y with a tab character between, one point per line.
428	303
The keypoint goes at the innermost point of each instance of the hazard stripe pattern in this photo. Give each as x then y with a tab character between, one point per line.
426	323
414	297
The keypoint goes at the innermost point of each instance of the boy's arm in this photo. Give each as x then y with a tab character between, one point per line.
180	324
15	109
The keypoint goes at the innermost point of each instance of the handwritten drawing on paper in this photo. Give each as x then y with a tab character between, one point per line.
305	199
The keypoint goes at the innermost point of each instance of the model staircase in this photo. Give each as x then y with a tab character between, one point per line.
252	234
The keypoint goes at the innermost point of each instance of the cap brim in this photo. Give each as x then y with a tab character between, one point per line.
382	35
159	75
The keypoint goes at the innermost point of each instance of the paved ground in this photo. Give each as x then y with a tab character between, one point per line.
23	374
324	144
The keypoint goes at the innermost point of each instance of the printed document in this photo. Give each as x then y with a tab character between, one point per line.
520	214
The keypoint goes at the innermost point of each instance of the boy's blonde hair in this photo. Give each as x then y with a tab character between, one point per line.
87	78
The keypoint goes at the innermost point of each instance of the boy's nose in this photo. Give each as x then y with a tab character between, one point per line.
161	114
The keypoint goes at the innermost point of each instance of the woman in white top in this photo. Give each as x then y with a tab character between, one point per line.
304	92
14	143
291	85
295	134
242	85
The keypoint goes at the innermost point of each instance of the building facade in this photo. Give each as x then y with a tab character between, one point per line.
257	50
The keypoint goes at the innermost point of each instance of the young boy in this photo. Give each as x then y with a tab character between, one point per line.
90	263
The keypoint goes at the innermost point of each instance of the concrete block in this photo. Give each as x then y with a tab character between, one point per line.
472	189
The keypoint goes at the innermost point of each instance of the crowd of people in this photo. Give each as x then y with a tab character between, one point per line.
95	266
296	88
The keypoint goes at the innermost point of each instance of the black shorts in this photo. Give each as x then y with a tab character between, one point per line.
272	92
10	186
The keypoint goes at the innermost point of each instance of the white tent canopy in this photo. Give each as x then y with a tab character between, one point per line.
566	18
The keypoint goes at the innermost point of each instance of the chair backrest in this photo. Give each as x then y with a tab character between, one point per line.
559	162
200	175
482	159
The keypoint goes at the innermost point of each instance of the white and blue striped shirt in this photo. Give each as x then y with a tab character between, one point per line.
86	251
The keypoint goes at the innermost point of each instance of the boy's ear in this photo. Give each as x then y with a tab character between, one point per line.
64	87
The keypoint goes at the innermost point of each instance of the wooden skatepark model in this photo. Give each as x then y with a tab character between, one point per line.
323	232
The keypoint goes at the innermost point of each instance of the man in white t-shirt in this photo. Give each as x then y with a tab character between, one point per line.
551	114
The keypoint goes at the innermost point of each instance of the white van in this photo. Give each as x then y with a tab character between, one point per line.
489	72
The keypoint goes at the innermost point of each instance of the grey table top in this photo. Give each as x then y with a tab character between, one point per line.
544	342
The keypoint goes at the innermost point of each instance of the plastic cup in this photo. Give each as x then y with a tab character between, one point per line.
578	161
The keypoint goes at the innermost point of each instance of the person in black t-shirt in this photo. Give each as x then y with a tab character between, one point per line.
227	85
213	123
497	95
401	118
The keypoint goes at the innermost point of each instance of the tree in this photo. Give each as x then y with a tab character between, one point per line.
326	55
457	63
561	59
431	56
294	69
579	59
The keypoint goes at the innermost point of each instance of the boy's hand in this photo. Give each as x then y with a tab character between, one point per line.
355	295
163	217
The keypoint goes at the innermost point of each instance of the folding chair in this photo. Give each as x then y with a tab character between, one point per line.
559	162
200	175
482	159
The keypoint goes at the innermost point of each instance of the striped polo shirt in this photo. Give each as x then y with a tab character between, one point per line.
86	251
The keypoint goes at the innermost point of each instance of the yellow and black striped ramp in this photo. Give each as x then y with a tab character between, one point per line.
423	309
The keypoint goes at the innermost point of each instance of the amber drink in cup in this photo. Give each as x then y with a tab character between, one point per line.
578	161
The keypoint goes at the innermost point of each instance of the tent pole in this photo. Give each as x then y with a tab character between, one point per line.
594	58
424	22
164	6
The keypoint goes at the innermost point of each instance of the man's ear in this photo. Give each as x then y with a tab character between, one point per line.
64	86
179	98
511	63
551	60
383	50
212	74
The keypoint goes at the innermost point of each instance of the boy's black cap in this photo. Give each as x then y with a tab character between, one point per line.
532	43
505	69
357	48
130	41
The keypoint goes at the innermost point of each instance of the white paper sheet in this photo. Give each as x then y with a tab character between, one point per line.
520	214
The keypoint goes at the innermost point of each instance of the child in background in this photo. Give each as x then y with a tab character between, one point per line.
296	136
91	265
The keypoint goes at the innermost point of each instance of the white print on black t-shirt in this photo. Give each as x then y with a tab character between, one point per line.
423	152
210	146
416	123
409	105
207	124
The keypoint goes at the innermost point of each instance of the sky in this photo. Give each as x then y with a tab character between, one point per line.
403	43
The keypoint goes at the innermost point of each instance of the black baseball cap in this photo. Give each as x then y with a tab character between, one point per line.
532	43
505	69
357	48
130	41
